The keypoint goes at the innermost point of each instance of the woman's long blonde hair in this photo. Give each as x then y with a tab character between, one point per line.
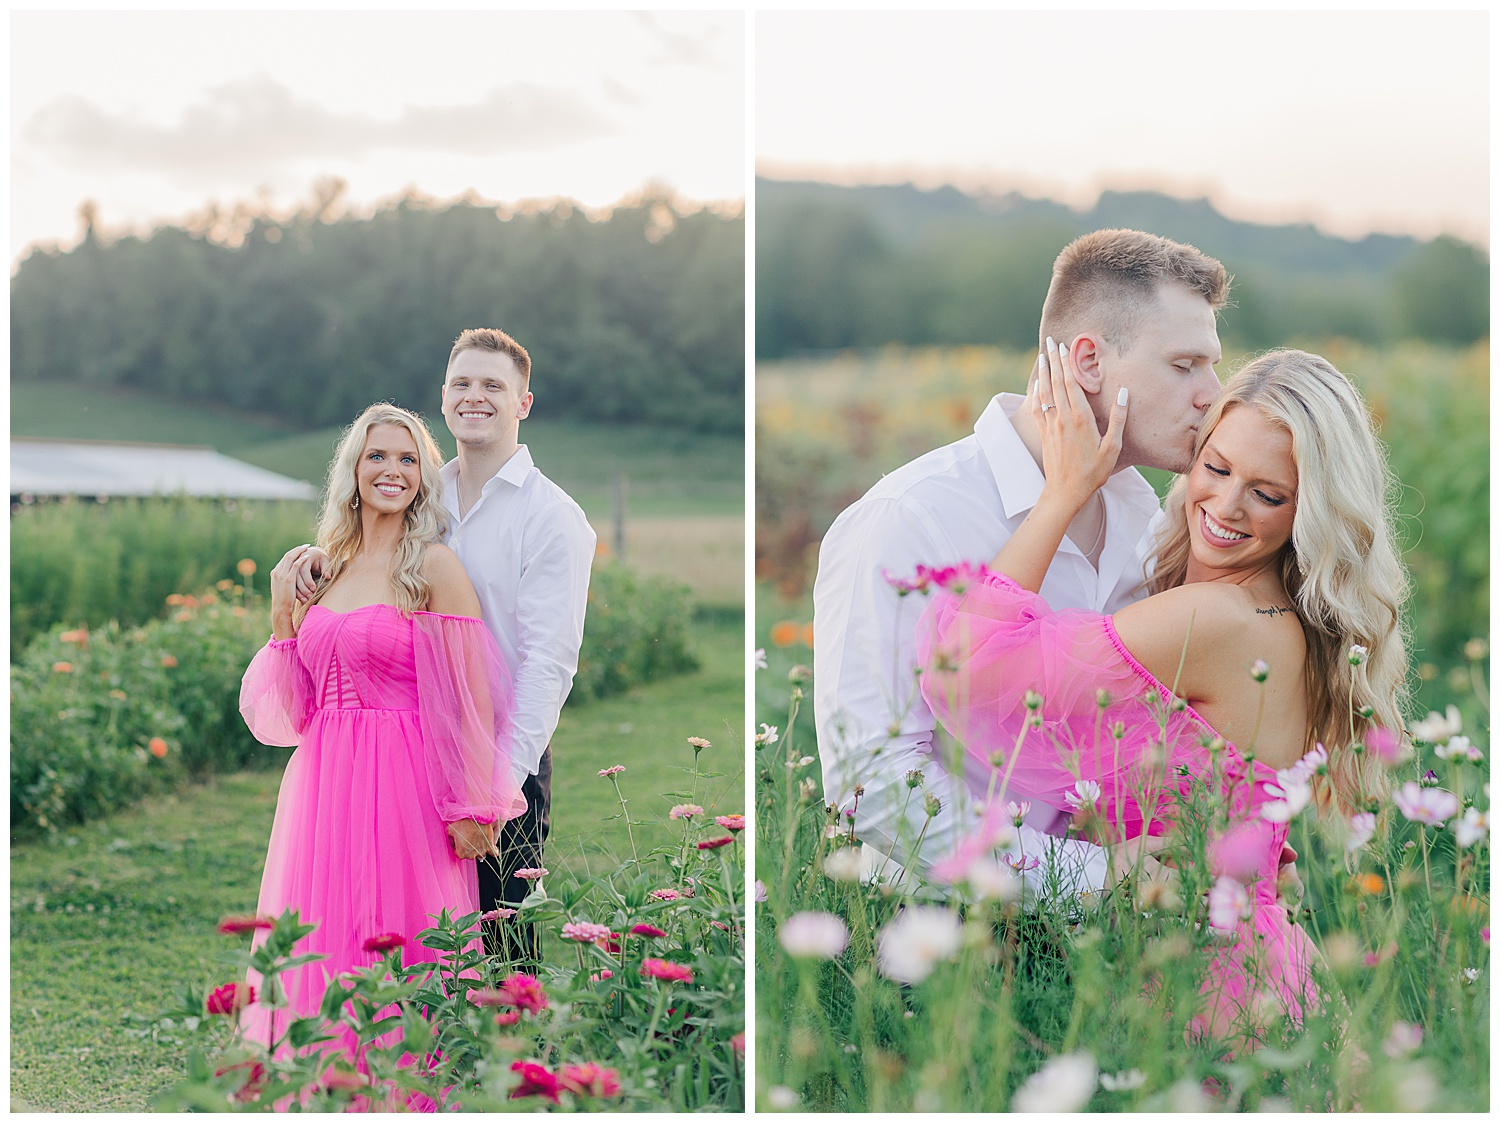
340	529
1341	568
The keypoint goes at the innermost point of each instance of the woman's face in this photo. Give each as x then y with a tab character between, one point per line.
390	470
1241	495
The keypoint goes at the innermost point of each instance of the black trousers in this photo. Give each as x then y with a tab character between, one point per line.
521	842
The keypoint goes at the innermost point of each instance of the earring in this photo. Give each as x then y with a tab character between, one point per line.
354	503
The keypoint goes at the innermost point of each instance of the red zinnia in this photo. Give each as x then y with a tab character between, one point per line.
715	843
535	1081
524	991
666	970
255	1080
230	998
235	925
589	1080
647	930
388	941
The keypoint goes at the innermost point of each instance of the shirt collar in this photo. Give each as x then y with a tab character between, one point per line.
514	472
1023	480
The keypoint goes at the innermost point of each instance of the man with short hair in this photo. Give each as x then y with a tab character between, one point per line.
1137	313
527	547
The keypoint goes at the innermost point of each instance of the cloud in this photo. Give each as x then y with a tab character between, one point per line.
251	124
682	48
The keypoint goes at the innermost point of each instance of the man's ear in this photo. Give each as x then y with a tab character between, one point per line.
1085	352
525	407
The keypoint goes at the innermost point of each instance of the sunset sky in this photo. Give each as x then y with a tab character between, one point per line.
152	115
1356	121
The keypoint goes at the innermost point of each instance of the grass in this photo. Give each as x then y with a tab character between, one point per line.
106	922
670	472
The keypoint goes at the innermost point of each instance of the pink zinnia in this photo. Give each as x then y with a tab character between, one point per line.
487	996
235	925
507	1017
387	941
715	843
612	770
585	932
531	873
589	1080
600	976
684	811
230	998
255	1080
666	970
339	1078
647	930
524	991
731	822
497	914
738	1043
535	1081
664	894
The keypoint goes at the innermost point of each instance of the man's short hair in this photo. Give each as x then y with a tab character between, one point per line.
492	339
1103	282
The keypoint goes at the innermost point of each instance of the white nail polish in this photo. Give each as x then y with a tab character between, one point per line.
1051	344
1124	396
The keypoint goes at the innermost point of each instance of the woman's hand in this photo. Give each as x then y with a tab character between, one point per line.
284	591
1075	460
473	840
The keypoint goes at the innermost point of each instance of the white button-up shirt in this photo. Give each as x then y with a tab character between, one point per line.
958	503
527	547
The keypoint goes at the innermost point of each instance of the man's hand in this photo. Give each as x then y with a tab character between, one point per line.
1289	887
1137	856
473	840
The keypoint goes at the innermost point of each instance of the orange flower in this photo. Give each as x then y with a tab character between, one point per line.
189	602
209	598
174	599
169	660
63	668
224	586
118	695
807	634
245	567
238	610
784	633
157	747
79	636
182	616
1370	883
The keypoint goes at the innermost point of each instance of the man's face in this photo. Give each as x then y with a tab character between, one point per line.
484	398
1169	369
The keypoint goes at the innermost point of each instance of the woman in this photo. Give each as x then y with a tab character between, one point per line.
393	692
1274	616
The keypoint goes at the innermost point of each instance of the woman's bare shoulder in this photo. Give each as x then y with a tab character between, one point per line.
1194	633
452	593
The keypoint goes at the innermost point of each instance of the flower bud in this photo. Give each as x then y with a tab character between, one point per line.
1102	699
799	674
914	778
1033	700
1358	653
1260	670
932	805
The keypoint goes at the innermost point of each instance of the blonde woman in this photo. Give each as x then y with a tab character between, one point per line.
394	694
1272	645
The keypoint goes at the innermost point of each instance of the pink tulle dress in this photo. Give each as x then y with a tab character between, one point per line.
401	724
981	652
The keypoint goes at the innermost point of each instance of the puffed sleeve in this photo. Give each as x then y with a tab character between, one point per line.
276	695
464	706
1103	718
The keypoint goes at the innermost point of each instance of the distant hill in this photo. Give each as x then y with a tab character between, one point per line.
860	266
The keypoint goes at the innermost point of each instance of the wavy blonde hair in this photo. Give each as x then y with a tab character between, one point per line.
341	530
1340	568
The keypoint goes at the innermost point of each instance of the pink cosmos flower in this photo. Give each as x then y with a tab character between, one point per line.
731	822
1236	853
1228	903
954	578
230	998
647	930
904	586
612	770
589	1080
715	843
1361	830
666	970
760	891
684	811
1023	863
585	932
1384	745
813	935
1431	806
386	941
992	830
524	992
664	894
532	873
1404	1038
1018	811
535	1081
235	925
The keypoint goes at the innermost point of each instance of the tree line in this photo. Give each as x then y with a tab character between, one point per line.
857	267
636	316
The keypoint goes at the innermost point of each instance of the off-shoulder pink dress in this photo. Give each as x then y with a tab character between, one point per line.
401	724
981	652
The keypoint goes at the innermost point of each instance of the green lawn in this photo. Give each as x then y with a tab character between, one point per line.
107	920
669	472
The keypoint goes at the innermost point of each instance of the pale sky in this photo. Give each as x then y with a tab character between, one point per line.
152	115
1356	121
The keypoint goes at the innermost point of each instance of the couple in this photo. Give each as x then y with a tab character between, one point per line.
420	657
1274	608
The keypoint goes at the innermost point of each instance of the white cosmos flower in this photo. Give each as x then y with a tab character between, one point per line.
1085	793
1472	827
1228	903
781	1098
1361	830
1289	795
1064	1083
921	937
1436	728
843	864
768	735
813	935
1122	1081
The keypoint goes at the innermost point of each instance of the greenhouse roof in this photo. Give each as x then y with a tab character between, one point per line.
100	469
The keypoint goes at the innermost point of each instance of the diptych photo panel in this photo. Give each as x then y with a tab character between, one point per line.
749	561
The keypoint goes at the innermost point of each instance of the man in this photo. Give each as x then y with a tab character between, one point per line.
528	548
1138	312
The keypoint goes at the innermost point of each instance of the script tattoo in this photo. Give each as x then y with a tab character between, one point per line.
1274	610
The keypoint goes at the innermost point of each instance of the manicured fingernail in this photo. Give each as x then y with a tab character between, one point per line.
1051	344
1124	395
